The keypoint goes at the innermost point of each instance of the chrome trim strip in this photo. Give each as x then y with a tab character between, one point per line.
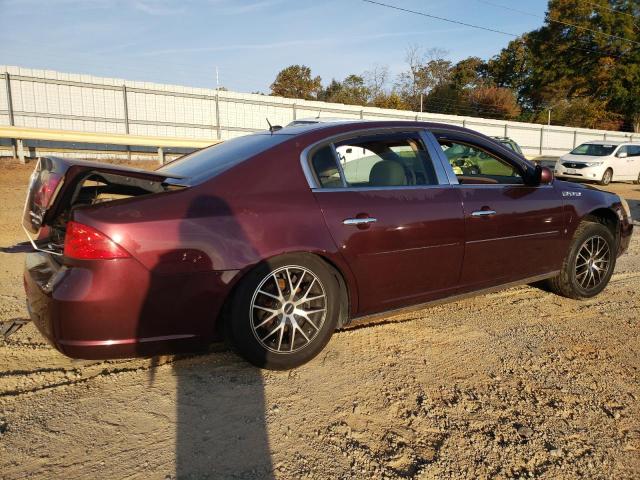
357	321
539	234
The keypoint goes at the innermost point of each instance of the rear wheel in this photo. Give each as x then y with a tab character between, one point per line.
284	312
606	177
588	267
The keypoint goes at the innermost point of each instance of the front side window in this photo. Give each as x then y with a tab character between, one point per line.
634	150
473	165
594	149
388	160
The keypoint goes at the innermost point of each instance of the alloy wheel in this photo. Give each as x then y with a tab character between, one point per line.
606	178
288	309
592	262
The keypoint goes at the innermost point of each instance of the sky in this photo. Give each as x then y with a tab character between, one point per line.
250	41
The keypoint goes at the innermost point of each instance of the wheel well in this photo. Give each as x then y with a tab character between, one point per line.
343	287
606	217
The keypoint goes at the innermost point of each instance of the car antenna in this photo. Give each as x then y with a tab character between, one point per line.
273	128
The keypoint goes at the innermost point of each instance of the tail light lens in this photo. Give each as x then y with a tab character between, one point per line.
44	194
87	243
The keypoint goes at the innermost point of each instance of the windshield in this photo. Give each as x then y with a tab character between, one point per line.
594	149
210	161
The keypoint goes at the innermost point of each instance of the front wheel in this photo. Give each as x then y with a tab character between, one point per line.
606	177
637	180
588	267
284	312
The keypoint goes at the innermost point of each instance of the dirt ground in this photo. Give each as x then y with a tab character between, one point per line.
519	383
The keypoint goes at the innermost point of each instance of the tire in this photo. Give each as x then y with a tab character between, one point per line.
637	180
606	177
265	324
573	282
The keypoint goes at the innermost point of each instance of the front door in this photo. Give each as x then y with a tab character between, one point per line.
393	216
513	230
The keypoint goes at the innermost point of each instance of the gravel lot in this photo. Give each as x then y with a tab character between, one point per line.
519	383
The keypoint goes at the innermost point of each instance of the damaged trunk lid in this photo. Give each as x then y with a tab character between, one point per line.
58	185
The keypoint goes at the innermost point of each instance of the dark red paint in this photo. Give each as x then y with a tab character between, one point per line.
189	247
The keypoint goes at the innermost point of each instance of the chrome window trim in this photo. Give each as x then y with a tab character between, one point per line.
312	181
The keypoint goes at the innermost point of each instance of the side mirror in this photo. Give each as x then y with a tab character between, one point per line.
622	155
545	175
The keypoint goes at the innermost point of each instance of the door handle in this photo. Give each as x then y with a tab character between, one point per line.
359	221
483	213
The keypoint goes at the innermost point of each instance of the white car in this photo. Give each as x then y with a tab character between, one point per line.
601	162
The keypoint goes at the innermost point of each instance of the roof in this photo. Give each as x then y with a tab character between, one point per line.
610	142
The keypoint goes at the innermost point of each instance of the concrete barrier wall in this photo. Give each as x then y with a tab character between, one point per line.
50	99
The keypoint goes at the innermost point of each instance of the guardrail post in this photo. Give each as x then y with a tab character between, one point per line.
575	138
20	150
295	113
541	139
161	155
218	130
506	130
361	114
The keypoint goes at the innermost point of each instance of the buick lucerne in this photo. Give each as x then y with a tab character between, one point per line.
276	239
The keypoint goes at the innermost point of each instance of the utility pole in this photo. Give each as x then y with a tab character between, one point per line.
217	79
420	103
549	117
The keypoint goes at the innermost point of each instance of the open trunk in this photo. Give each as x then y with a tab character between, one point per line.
57	186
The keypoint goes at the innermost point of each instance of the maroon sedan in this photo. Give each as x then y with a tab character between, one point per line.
274	240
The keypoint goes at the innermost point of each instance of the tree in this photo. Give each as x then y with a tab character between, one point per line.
296	81
585	49
494	101
376	81
425	73
351	91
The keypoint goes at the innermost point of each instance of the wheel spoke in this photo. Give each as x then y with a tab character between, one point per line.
262	292
266	320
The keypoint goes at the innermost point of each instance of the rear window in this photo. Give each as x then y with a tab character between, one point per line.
594	149
211	161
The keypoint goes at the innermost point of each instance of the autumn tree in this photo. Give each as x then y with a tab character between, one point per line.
296	81
351	91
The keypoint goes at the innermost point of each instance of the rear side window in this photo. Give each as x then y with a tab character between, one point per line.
209	162
386	160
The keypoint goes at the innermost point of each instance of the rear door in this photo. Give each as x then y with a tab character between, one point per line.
513	230
393	215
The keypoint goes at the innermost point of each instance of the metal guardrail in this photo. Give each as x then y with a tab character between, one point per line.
19	134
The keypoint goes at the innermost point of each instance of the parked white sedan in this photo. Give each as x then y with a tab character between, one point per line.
602	162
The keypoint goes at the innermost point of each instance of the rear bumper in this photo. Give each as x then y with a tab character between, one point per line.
117	308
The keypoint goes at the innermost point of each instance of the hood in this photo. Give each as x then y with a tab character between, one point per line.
582	158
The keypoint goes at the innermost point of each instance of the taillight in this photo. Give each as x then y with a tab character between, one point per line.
44	194
87	243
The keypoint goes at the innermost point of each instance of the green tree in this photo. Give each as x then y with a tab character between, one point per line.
351	91
296	81
585	49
